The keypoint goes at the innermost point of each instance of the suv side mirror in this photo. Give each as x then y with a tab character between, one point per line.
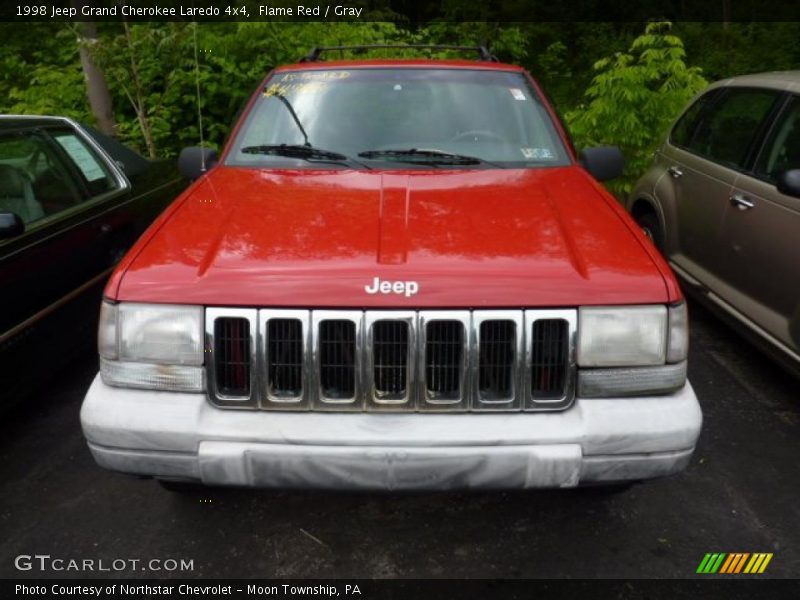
10	225
603	163
192	160
788	183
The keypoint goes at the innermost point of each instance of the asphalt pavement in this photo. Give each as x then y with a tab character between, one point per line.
741	493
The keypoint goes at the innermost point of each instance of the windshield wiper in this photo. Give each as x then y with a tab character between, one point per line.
303	152
290	108
420	156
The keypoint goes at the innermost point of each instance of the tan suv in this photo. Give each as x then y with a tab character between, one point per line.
722	203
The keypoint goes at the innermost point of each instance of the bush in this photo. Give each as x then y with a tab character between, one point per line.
634	97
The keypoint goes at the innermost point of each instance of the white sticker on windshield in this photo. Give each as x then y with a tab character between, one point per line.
87	163
537	153
517	93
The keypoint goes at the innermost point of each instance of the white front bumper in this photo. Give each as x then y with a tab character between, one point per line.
177	435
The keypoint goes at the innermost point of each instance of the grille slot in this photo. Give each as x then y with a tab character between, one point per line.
285	358
390	359
232	352
337	359
444	351
497	355
549	358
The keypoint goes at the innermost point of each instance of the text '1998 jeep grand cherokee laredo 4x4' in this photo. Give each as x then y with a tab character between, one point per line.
397	276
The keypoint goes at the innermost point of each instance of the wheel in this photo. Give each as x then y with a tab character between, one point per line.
180	487
652	229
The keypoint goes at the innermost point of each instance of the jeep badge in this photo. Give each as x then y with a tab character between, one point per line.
407	288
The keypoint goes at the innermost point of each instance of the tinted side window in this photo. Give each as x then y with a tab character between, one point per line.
685	127
726	131
34	183
782	150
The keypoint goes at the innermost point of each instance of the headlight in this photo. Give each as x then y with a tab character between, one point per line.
678	348
107	331
155	346
631	350
622	336
159	333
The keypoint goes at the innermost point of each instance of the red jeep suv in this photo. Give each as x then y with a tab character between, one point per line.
398	275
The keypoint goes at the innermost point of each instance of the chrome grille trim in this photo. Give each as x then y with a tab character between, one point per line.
250	315
319	401
514	402
571	317
375	400
426	400
417	395
285	355
266	398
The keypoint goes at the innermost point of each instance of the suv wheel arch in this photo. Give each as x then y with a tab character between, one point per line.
647	217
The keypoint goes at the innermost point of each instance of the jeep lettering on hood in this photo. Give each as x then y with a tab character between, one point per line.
514	237
406	288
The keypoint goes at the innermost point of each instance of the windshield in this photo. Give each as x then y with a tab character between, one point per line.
438	117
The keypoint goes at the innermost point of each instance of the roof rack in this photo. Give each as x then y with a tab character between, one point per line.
315	53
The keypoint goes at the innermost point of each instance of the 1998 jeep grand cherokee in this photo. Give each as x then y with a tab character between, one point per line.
397	276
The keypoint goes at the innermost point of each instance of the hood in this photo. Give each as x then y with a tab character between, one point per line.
343	238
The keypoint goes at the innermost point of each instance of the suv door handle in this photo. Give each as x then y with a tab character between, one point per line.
675	172
742	202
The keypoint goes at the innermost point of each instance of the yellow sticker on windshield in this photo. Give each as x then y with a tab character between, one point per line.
314	75
303	82
300	87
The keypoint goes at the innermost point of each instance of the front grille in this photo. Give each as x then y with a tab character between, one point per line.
337	359
549	358
444	348
285	358
232	352
496	359
391	360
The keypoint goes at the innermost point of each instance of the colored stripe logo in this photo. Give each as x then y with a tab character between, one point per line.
734	563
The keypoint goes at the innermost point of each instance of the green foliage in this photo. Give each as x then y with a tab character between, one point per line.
725	50
506	41
627	98
633	98
152	67
45	77
561	55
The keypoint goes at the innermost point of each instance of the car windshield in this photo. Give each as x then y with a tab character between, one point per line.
437	118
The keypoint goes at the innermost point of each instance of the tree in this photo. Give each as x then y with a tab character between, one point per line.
96	86
633	98
41	73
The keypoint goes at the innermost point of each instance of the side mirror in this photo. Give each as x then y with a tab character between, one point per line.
195	161
788	183
10	225
603	163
